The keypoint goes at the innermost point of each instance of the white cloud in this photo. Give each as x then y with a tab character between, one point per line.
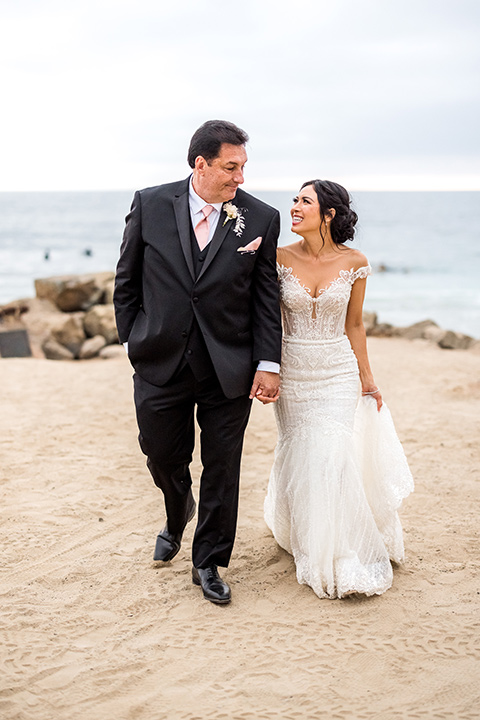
107	94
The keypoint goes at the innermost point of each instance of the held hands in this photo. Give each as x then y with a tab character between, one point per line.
265	387
374	392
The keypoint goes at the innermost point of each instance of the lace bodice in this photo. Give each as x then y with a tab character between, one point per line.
321	317
339	473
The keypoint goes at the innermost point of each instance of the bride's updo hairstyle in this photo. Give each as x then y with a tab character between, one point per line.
332	195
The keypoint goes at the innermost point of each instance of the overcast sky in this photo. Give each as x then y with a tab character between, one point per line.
105	94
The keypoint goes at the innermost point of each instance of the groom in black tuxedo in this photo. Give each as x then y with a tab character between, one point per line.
196	301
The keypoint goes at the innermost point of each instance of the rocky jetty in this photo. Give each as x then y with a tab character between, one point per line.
424	330
72	318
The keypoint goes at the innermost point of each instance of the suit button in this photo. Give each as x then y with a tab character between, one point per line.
195	299
189	352
201	259
184	334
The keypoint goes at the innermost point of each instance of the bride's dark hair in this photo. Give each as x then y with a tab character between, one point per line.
333	195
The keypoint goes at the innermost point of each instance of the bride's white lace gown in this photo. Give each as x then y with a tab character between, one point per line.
340	473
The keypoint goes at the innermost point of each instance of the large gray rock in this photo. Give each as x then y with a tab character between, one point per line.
11	312
383	330
112	352
369	321
416	331
69	331
41	317
73	292
434	334
100	320
92	347
54	351
109	287
455	341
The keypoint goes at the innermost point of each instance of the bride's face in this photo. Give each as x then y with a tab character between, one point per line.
305	211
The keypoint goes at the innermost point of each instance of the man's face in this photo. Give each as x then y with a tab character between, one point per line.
218	181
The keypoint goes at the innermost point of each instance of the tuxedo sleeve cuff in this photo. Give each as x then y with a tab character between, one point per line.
268	366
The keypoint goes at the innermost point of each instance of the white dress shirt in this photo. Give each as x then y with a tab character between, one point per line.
196	206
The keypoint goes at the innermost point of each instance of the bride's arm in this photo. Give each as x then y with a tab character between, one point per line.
355	332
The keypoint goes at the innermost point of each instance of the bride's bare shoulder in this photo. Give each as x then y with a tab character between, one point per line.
356	259
287	253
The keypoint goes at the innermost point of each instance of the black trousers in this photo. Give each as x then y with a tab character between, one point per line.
165	418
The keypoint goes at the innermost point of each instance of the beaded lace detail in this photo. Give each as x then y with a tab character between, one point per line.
321	317
340	473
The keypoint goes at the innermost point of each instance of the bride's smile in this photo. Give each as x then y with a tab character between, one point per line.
305	211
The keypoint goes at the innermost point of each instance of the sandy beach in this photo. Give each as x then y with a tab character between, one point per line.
91	627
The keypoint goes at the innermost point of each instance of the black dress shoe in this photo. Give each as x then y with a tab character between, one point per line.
168	544
214	588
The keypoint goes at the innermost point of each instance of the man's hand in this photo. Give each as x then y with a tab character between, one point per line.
266	387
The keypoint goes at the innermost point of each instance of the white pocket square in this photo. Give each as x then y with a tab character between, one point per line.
251	247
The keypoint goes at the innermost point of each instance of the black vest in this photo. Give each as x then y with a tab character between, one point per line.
196	353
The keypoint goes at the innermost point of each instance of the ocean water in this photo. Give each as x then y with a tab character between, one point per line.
426	244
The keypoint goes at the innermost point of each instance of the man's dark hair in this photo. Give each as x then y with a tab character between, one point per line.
208	139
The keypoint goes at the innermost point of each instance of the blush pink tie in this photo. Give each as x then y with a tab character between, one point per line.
203	227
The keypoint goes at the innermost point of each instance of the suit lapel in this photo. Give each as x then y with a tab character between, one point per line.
182	216
218	237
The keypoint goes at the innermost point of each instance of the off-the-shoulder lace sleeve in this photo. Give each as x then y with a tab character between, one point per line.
283	271
361	273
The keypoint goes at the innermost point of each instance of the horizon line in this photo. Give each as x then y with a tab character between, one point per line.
353	183
251	189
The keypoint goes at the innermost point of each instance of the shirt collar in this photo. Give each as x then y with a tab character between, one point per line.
197	203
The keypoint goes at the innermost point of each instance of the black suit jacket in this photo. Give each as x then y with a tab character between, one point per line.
234	298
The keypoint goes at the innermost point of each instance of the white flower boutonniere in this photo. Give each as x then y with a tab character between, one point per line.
233	213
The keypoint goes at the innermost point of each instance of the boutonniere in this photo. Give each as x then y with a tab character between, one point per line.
233	213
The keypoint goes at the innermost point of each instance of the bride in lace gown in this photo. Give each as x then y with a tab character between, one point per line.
339	473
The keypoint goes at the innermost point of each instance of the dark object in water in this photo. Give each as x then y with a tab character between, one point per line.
88	252
382	268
